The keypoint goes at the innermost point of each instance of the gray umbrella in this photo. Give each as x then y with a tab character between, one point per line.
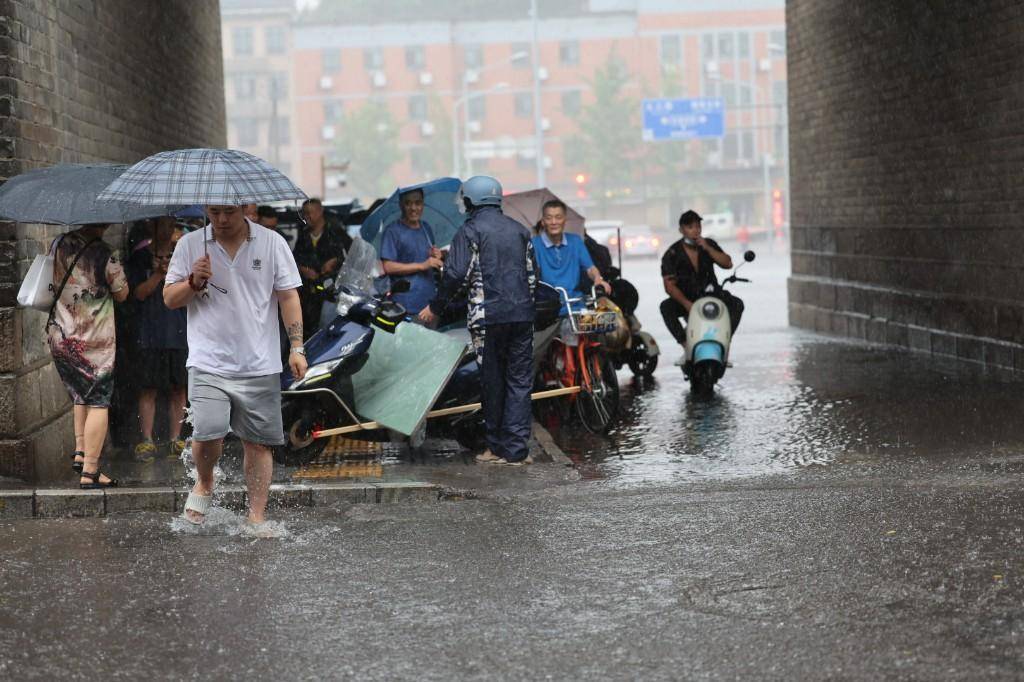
66	195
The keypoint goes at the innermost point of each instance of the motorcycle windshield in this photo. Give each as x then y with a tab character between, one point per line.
360	267
404	375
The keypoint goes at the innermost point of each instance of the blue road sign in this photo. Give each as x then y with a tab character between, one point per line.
683	119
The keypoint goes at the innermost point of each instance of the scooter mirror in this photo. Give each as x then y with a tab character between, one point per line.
401	286
749	256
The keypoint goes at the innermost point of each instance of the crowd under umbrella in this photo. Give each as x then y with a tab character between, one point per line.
67	194
525	208
442	210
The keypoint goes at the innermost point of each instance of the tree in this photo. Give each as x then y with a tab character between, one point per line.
368	140
609	132
438	151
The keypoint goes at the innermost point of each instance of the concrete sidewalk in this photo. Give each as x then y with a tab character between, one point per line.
422	477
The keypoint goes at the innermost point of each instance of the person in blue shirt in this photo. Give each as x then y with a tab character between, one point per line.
407	251
562	257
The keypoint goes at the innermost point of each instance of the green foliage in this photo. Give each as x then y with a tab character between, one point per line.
439	149
368	139
609	132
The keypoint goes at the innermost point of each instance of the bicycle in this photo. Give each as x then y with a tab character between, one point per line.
585	365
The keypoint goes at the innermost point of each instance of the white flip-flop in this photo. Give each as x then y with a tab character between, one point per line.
199	504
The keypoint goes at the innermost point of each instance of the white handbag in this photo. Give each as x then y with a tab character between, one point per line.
37	288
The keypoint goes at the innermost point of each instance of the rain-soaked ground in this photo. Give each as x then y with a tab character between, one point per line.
836	512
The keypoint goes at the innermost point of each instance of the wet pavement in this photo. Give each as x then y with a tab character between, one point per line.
837	511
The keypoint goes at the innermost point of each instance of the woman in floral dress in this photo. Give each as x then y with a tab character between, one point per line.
81	338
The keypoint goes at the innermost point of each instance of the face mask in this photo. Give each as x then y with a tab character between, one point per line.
689	242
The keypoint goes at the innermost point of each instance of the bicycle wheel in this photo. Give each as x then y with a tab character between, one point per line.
597	404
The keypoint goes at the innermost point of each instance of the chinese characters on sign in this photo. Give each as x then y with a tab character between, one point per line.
683	119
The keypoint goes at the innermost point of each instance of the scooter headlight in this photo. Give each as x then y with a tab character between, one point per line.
317	373
711	310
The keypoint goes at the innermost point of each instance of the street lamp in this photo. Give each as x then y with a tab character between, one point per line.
512	58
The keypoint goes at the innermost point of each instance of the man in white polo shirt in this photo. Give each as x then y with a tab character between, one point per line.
233	275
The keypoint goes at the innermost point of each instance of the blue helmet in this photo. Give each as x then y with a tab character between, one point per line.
482	190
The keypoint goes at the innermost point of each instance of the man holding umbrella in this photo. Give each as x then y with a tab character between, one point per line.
234	276
407	251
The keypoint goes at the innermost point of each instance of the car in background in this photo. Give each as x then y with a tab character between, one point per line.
718	226
637	241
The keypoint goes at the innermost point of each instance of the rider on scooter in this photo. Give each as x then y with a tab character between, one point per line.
687	268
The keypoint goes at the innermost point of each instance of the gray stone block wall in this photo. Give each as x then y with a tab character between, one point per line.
906	149
112	81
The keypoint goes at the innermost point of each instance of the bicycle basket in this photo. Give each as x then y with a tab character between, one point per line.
595	321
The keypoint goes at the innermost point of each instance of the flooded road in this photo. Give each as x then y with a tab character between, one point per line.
792	400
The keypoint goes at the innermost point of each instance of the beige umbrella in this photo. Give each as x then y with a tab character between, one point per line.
524	208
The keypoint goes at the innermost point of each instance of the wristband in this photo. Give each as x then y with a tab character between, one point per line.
301	350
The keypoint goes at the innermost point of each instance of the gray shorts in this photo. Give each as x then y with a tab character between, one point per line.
250	407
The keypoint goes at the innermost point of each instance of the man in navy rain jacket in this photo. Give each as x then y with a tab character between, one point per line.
492	257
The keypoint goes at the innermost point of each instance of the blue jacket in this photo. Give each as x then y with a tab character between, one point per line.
492	257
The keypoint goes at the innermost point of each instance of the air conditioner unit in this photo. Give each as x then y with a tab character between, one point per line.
542	73
474	126
327	132
426	78
764	65
715	159
547	162
426	128
472	76
380	79
545	124
711	67
326	82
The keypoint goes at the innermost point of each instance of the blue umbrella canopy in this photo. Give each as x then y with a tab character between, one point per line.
67	195
442	210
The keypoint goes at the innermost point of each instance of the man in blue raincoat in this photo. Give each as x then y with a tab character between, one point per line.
492	256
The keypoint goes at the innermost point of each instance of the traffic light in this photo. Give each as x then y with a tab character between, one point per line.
778	209
581	185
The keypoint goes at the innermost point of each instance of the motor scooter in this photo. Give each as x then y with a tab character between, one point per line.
709	336
333	355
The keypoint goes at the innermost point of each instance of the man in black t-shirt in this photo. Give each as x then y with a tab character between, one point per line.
687	268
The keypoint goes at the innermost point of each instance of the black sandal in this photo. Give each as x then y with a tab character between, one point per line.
96	484
77	466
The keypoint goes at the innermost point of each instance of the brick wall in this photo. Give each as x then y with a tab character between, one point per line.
906	173
110	80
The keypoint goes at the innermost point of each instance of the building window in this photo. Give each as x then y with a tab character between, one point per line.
373	58
779	92
330	61
247	131
671	52
707	42
525	162
476	108
571	102
279	85
421	161
730	147
276	39
281	132
743	45
473	55
524	104
415	57
418	108
569	52
245	85
746	94
521	54
241	40
725	46
333	112
777	42
748	145
729	94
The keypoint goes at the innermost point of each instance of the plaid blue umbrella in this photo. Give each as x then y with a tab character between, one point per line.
211	177
66	195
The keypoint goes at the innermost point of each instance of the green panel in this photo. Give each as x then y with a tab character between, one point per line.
404	375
